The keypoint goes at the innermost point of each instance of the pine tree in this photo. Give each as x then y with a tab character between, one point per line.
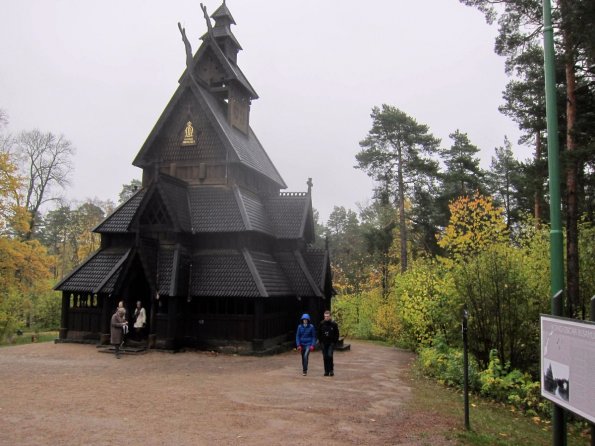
397	153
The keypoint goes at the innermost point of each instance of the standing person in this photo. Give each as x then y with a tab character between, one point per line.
140	320
328	332
116	328
305	339
124	319
121	305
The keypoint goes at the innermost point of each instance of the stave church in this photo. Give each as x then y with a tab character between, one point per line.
217	253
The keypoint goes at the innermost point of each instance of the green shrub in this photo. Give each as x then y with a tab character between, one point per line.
445	364
497	382
514	387
355	313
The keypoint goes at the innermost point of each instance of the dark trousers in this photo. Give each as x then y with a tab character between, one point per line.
305	354
117	348
327	357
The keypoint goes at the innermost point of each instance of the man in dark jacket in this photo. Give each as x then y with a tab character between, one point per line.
328	335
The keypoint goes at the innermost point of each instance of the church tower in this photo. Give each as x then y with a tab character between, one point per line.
211	246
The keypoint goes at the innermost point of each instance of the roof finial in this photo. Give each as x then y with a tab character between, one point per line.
189	58
310	184
209	26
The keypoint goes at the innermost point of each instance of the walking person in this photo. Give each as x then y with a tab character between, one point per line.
328	335
117	326
305	339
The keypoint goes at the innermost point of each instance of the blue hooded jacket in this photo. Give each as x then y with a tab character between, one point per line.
305	334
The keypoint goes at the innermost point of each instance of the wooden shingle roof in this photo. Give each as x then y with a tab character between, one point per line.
215	209
288	213
274	281
317	261
296	270
175	194
98	274
222	274
119	220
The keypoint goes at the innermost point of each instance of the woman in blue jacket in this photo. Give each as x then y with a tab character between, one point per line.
305	339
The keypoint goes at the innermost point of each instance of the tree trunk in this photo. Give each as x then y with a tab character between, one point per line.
538	183
402	224
572	261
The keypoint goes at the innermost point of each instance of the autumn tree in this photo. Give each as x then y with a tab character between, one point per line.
496	280
397	153
67	232
46	161
475	223
520	26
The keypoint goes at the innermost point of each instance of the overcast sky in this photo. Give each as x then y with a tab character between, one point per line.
101	73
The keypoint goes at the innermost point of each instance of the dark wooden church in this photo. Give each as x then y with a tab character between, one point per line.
209	244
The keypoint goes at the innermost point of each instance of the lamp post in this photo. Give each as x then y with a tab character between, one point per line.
556	242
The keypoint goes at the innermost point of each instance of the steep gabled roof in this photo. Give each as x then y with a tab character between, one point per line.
168	267
289	214
296	270
253	211
223	11
232	71
119	220
269	274
171	194
246	149
317	261
214	209
98	274
175	194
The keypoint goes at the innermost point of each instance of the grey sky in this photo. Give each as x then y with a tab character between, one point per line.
101	72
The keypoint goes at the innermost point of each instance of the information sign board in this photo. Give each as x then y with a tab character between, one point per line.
568	364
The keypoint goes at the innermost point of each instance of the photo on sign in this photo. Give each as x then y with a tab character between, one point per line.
556	379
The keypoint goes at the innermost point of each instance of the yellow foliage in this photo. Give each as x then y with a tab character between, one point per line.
24	265
475	224
11	214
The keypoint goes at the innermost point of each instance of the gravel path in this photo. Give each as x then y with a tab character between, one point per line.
69	394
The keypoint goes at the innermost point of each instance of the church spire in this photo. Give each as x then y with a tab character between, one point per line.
222	32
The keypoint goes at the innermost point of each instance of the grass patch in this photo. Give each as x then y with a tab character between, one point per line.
29	337
491	423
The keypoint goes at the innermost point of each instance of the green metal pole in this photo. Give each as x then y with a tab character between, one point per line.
556	241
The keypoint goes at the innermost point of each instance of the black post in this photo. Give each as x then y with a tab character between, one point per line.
465	370
558	412
593	319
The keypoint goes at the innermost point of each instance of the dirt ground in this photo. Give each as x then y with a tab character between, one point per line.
69	394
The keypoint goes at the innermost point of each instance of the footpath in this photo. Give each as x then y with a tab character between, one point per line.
70	394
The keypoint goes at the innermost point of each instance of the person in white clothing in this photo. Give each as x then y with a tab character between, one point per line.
140	320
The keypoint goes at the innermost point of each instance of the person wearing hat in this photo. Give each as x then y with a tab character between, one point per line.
117	325
305	339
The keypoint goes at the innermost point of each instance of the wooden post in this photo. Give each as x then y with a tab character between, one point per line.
172	314
64	316
257	336
104	336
